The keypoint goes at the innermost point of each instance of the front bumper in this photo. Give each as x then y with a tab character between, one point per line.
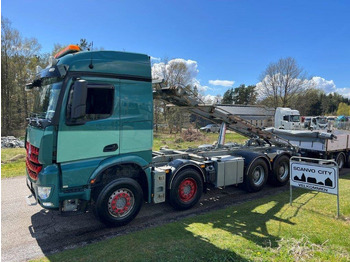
49	177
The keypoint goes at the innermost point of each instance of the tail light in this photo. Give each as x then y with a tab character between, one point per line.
32	162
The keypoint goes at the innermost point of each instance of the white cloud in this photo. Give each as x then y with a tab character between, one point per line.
155	59
160	69
328	86
211	99
226	83
345	91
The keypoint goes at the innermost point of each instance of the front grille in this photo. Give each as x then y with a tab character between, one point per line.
32	162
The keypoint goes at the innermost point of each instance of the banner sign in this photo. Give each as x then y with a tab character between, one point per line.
316	177
322	176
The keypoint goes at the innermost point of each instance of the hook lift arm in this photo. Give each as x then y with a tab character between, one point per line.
178	96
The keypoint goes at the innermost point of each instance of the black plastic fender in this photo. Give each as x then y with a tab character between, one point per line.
180	164
250	157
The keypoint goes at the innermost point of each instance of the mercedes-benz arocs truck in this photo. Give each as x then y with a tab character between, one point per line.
91	142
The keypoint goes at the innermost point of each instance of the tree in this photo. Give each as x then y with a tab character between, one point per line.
244	95
227	99
282	81
56	48
85	45
343	109
174	72
18	56
308	103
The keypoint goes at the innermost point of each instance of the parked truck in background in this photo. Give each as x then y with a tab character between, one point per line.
288	119
318	123
91	145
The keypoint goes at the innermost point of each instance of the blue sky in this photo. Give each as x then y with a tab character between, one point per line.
228	40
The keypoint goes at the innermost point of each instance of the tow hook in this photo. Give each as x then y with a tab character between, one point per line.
31	201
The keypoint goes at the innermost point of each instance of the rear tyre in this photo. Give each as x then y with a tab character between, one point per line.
186	189
340	159
280	174
119	202
257	175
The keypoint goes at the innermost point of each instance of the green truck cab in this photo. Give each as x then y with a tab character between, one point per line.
97	125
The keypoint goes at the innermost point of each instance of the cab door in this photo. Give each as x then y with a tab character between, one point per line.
98	134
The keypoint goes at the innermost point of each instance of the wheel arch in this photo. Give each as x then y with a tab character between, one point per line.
250	157
137	165
182	164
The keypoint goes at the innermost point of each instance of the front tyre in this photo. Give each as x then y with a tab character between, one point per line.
257	176
119	202
280	174
186	189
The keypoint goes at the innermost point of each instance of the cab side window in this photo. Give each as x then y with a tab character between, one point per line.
99	103
99	100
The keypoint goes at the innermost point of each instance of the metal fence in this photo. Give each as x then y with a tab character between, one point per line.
342	125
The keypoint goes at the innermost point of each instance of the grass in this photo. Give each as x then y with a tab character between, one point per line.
12	162
13	159
267	229
175	141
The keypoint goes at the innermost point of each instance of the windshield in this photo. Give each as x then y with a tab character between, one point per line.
294	118
46	96
322	120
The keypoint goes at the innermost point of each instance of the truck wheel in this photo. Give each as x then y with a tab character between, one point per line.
119	202
280	175
257	176
186	189
340	159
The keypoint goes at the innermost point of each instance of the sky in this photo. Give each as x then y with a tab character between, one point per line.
225	43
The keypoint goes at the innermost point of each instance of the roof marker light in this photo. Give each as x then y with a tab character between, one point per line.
67	50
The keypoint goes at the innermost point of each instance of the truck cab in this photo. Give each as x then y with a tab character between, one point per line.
286	118
318	123
94	114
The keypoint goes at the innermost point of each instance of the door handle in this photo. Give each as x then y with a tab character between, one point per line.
110	148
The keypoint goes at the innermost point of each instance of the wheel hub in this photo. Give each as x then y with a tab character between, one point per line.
120	203
187	189
258	176
281	170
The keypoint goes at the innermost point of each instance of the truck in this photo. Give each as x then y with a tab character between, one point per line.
319	144
263	116
91	147
318	123
288	119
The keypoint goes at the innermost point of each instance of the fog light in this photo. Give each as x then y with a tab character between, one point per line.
44	192
47	204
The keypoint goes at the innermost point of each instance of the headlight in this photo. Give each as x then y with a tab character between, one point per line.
44	192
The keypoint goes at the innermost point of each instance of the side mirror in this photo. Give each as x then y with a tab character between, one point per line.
29	87
78	109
